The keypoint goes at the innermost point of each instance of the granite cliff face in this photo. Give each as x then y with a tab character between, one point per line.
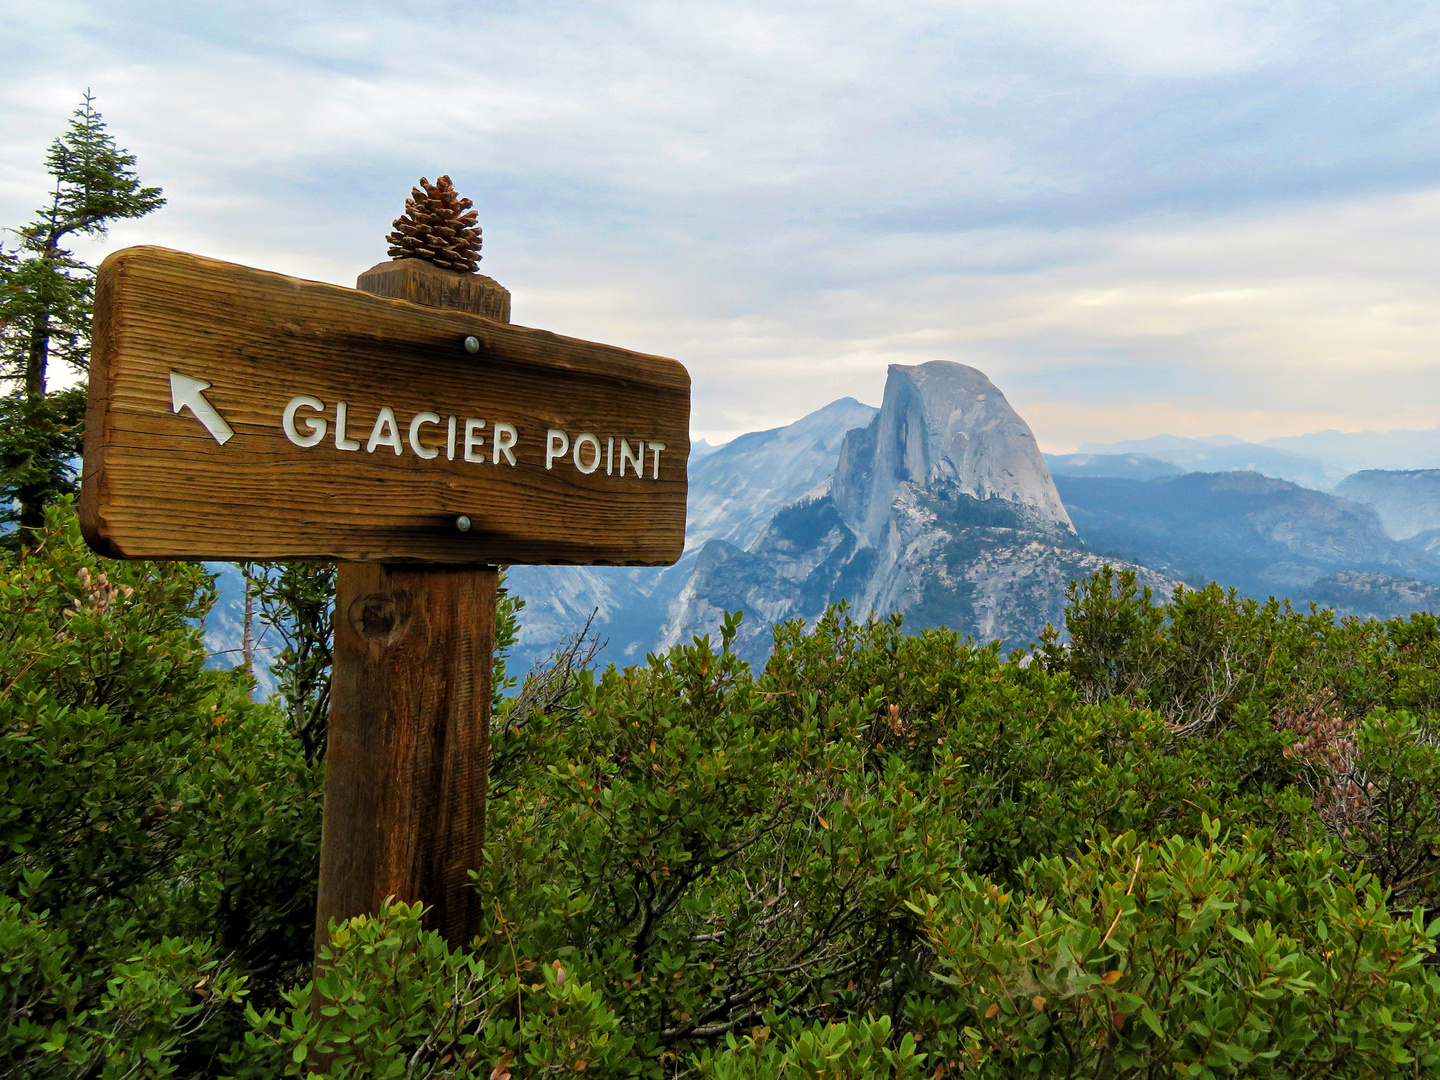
939	505
941	508
943	426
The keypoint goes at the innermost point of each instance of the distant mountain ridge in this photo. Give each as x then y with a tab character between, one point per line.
1319	460
1356	451
939	504
1120	466
943	508
1373	596
1232	455
1261	535
736	489
1407	501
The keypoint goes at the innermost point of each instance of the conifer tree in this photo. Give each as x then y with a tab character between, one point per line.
46	295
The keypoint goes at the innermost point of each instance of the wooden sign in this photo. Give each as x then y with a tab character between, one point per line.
240	414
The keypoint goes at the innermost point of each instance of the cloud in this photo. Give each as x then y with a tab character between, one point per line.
1130	214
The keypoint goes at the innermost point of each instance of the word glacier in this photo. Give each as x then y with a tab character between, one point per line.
306	423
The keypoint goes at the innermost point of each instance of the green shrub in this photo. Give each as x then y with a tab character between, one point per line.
395	1001
859	1049
871	859
1180	957
702	855
1383	801
1169	958
158	832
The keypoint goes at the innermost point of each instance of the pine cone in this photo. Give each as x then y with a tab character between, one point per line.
437	226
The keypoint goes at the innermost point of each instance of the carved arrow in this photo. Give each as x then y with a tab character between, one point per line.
186	392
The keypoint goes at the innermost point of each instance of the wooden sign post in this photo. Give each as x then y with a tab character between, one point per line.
419	439
408	758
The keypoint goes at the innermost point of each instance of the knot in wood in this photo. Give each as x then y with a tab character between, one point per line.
380	617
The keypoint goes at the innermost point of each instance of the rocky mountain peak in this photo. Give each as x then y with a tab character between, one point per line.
943	425
736	490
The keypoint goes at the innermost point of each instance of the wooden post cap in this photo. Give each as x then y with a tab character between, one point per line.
425	283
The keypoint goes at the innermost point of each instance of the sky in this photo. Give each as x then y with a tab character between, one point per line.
1136	217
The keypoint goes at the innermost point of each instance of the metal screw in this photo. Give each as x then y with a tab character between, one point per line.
472	345
462	522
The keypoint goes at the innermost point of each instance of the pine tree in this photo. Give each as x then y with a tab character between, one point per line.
439	227
46	296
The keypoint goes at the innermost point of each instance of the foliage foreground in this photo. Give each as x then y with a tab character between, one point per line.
1190	839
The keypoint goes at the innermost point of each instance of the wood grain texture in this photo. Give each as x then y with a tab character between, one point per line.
409	741
156	484
408	755
422	283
